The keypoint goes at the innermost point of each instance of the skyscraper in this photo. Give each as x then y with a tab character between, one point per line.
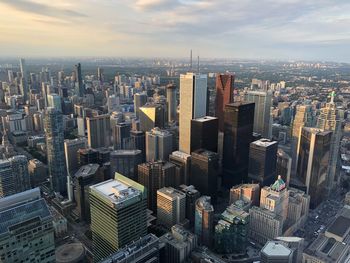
262	112
171	206
262	161
193	104
204	221
125	162
239	120
171	102
155	175
284	165
275	251
204	134
151	115
24	80
245	192
224	95
53	126
313	160
182	162
26	230
140	99
192	194
71	148
118	215
204	172
79	81
54	101
159	145
98	131
121	135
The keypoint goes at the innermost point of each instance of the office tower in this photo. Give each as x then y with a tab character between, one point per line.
224	95
140	99
245	192
182	162
171	102
121	135
86	156
193	105
179	244
125	162
37	172
313	160
284	165
266	221
100	74
54	101
24	80
118	215
151	116
79	81
262	112
304	117
171	207
146	249
231	231
238	129
103	155
275	251
262	161
155	175
192	194
71	148
138	142
84	178
204	221
204	172
98	129
26	231
204	134
159	145
53	126
296	244
331	120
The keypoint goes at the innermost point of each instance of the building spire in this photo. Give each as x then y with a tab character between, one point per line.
332	96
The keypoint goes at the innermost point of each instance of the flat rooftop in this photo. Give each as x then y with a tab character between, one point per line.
340	226
171	192
205	118
87	170
273	248
264	142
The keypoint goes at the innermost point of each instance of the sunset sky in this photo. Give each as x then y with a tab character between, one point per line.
276	29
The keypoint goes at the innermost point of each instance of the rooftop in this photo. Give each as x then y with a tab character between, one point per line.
205	118
273	248
87	170
264	142
340	227
171	192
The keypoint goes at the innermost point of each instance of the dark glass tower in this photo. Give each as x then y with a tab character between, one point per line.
79	81
204	133
224	95
238	129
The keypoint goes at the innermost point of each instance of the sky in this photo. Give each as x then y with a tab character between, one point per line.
248	29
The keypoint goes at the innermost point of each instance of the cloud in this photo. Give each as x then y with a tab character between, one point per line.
42	9
146	5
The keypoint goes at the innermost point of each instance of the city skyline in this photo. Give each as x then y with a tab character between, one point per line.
291	29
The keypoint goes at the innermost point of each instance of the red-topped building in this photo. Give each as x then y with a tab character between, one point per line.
224	95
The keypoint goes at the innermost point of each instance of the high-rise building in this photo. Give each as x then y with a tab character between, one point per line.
125	162
179	244
246	192
87	155
238	129
313	160
204	134
330	120
224	95
79	81
231	231
193	105
138	142
159	145
275	251
192	194
100	76
84	177
262	161
183	167
53	125
262	112
121	135
171	207
171	102
140	99
204	221
26	230
296	244
118	215
204	172
54	101
98	129
284	165
71	148
24	80
155	175
37	172
151	115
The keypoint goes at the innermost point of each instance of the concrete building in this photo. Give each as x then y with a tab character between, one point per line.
193	104
159	145
118	215
151	115
274	252
171	102
98	131
125	162
171	207
246	192
121	135
54	101
204	133
284	166
192	194
204	221
140	99
37	171
182	161
71	148
26	231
